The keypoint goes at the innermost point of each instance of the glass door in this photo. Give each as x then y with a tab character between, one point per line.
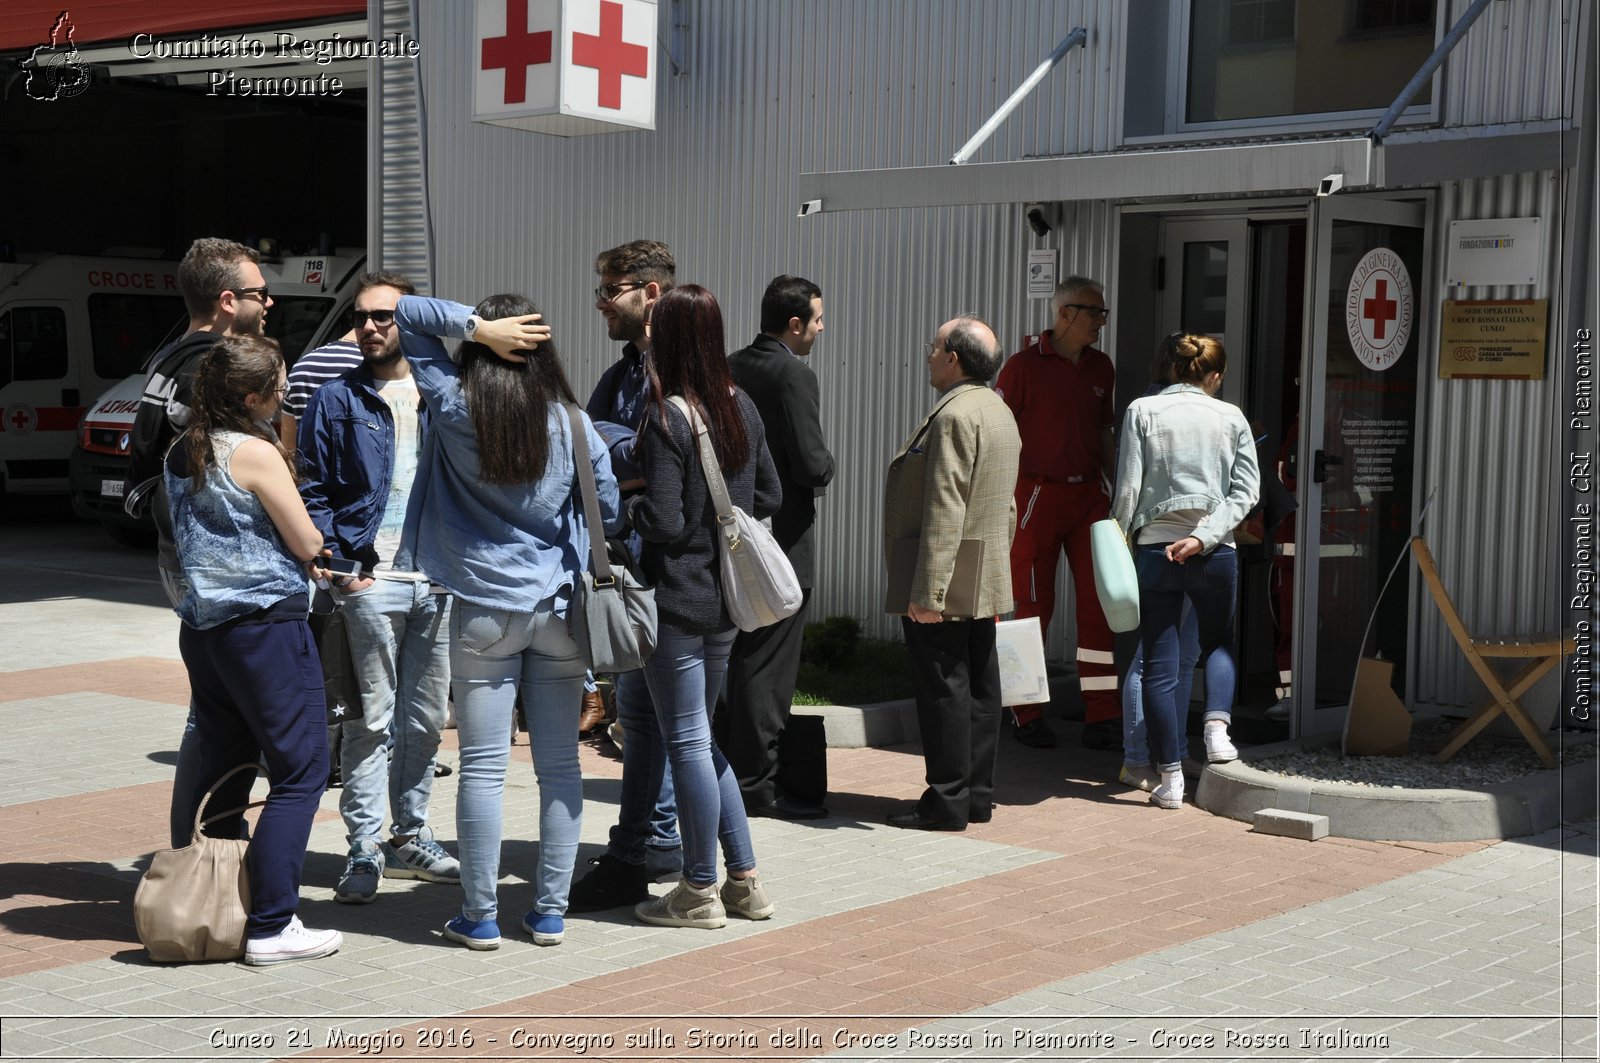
1358	439
1207	286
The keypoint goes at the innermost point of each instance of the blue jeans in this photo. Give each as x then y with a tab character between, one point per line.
494	654
647	813
1135	737
402	663
1210	583
685	676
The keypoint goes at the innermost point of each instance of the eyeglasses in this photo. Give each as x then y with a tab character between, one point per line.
1092	311
261	291
607	292
381	318
932	347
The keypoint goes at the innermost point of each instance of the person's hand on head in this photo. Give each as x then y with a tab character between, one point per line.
512	337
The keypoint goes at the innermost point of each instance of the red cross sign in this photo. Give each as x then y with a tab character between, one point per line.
516	51
610	55
567	67
1379	308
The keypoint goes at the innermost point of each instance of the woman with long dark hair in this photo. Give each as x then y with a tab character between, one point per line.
1186	476
243	539
500	525
677	520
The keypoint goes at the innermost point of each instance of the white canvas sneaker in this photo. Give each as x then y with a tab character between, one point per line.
293	942
1219	747
1169	791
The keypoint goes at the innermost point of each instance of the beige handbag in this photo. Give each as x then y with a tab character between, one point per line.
191	904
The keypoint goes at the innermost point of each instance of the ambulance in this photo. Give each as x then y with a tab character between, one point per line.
311	298
70	327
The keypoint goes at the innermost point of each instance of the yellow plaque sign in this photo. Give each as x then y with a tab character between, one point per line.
1502	338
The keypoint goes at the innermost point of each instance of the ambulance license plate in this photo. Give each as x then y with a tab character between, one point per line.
110	488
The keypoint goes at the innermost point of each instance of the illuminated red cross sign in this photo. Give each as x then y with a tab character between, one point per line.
517	50
568	67
610	55
1379	308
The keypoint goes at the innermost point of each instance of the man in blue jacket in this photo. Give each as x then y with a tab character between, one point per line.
361	442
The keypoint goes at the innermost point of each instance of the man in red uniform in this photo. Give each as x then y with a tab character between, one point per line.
1060	390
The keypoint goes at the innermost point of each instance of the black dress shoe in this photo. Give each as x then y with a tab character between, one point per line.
980	816
915	820
784	807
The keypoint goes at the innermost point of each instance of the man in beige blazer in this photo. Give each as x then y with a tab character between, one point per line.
949	513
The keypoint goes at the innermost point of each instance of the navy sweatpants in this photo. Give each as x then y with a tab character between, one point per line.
257	690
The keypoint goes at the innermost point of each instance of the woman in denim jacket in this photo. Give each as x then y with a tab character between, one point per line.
501	528
678	522
1186	477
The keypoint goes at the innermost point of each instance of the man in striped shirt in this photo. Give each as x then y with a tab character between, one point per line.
312	370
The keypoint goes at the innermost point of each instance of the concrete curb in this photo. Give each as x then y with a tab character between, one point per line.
1513	809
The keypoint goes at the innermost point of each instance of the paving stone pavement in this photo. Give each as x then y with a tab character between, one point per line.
1080	924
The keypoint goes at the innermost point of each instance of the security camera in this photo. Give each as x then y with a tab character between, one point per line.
1038	218
1330	184
810	207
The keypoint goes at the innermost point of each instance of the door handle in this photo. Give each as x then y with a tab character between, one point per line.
1319	465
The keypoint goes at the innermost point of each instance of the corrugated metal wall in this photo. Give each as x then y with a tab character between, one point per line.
1516	63
773	89
396	196
1495	458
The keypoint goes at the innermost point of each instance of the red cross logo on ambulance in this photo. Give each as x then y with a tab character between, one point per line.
1379	308
21	418
567	67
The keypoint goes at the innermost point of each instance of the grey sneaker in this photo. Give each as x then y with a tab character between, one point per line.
423	858
359	883
685	905
746	897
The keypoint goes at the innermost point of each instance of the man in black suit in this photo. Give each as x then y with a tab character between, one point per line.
764	663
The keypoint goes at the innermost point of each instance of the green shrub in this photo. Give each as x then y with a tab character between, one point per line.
840	667
832	642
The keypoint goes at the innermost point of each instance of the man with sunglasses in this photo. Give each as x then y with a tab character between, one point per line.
1061	391
361	442
645	845
225	295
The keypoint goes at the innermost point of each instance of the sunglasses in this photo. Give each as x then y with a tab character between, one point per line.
607	292
381	318
261	291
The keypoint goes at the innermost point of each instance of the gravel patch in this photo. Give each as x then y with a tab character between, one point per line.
1484	762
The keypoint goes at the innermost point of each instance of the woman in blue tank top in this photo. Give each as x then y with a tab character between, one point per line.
243	539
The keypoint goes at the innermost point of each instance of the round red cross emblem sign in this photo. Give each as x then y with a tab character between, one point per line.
1379	308
20	419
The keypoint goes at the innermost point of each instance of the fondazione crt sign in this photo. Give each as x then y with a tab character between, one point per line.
567	67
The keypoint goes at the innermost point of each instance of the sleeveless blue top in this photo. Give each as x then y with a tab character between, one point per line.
234	559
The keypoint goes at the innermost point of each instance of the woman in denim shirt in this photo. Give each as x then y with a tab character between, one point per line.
1186	477
678	522
499	525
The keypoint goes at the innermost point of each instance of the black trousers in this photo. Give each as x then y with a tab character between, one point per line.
760	690
955	673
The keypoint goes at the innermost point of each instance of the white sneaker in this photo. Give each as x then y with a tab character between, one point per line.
1169	791
1142	777
1219	747
293	942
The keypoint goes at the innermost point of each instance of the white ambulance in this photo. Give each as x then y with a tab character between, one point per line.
70	327
311	298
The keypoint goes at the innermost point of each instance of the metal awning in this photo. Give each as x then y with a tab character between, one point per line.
1292	167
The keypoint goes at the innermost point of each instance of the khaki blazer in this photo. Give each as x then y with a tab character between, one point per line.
956	479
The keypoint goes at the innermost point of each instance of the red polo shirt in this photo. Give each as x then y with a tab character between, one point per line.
1060	409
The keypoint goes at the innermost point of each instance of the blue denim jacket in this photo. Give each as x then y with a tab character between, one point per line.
504	546
1183	449
347	461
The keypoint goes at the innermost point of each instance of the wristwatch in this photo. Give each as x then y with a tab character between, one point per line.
472	326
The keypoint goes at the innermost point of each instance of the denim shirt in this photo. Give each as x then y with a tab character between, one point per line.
234	561
1183	449
504	546
347	462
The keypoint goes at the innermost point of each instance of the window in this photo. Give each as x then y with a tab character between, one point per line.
1252	59
293	322
33	343
124	330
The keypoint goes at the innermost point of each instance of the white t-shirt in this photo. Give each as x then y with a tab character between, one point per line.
402	398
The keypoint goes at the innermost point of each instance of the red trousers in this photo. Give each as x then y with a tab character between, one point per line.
1052	517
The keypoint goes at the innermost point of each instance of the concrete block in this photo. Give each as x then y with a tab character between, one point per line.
1282	822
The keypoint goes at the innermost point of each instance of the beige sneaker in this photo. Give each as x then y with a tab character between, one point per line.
746	897
1144	777
685	905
